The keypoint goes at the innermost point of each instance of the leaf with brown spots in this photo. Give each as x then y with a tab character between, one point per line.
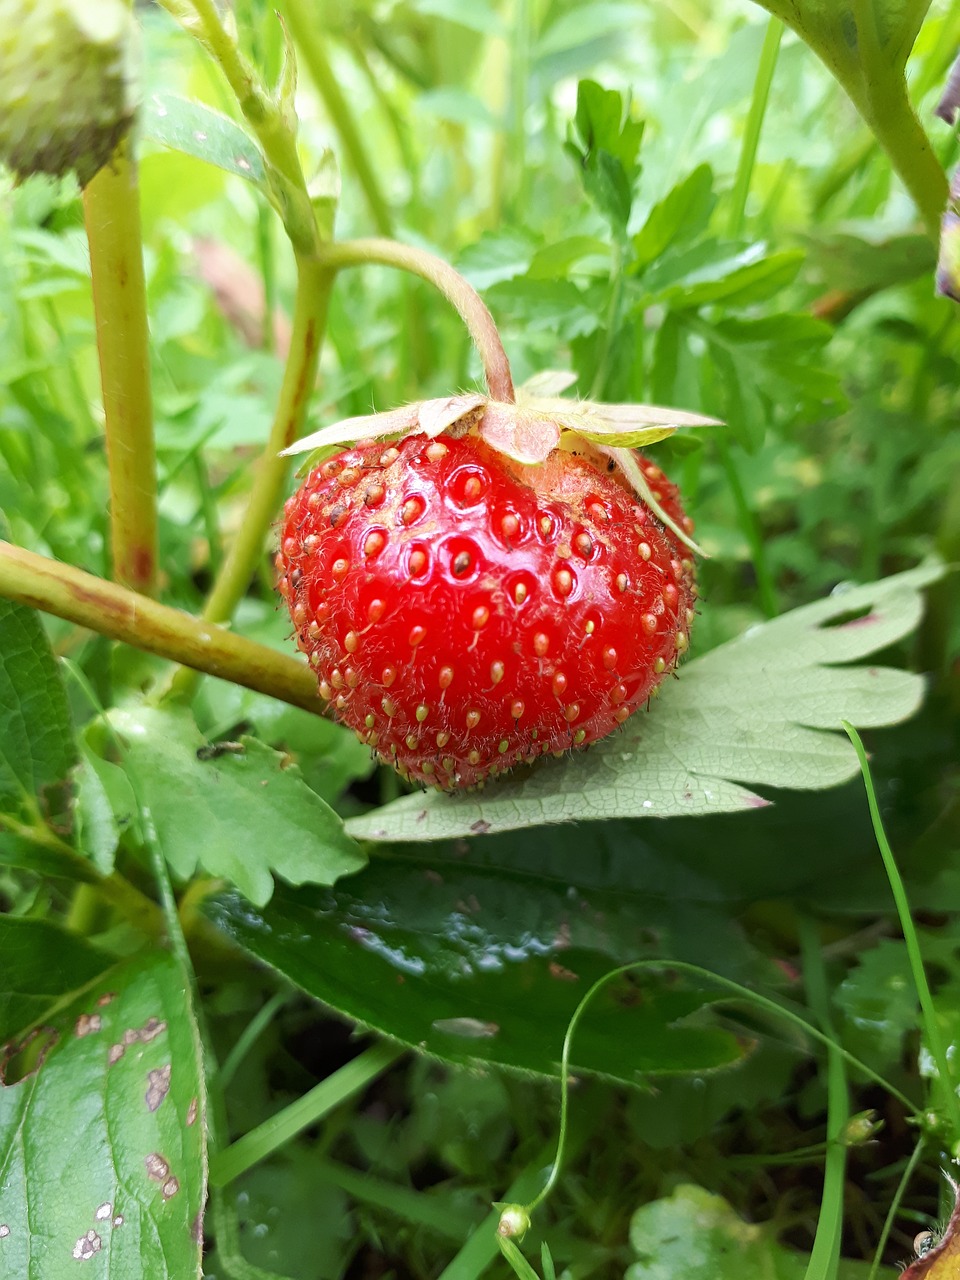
101	1168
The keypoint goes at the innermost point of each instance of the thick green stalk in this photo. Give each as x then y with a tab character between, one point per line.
113	611
305	29
462	296
309	321
888	111
751	136
112	214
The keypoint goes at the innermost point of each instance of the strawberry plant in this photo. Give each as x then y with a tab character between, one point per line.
459	856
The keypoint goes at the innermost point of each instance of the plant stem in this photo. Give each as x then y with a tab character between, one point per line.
309	321
113	611
314	281
306	32
462	296
230	1163
112	215
751	136
890	115
826	1245
266	117
931	1024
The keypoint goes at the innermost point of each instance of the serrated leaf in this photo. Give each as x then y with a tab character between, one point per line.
605	147
102	1154
239	814
37	746
196	130
39	964
751	276
754	712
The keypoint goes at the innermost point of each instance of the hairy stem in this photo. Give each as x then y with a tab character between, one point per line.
265	115
302	19
113	611
112	214
462	296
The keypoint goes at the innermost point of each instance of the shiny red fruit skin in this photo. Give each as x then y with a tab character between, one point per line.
464	612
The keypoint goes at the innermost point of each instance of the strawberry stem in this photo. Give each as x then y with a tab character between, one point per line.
463	297
111	208
120	614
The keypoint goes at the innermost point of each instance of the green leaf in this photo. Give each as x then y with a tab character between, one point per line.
484	959
740	280
242	813
37	747
39	964
752	711
680	216
102	1144
697	1235
842	260
605	142
196	130
97	827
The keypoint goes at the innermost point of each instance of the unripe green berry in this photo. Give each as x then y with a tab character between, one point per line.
67	88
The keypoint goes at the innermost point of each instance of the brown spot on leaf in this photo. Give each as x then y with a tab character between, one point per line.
480	827
106	998
157	1168
152	1028
87	1246
116	1053
118	1220
562	974
192	1112
4	1231
158	1086
103	1211
170	1188
88	1024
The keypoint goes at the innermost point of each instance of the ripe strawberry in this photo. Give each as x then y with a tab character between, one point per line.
466	612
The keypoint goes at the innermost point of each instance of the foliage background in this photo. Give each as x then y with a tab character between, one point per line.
807	321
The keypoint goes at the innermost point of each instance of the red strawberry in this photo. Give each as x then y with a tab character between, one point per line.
466	612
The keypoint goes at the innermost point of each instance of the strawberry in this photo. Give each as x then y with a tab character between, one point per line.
466	612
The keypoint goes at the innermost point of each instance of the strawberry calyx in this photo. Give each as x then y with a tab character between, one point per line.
530	430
